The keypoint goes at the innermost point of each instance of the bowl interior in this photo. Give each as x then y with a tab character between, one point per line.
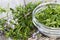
42	7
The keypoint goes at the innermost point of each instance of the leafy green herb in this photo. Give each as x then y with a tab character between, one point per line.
25	27
50	16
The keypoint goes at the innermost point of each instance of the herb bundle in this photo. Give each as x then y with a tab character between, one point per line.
25	27
50	16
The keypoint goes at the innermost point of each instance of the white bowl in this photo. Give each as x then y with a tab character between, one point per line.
42	28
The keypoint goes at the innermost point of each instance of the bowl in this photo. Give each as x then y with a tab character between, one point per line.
48	31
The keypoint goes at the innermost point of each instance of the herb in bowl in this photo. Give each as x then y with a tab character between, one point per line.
50	16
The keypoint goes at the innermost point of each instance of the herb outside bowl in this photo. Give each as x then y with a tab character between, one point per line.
48	31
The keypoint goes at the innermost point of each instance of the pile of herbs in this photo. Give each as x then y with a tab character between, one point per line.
50	16
24	26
